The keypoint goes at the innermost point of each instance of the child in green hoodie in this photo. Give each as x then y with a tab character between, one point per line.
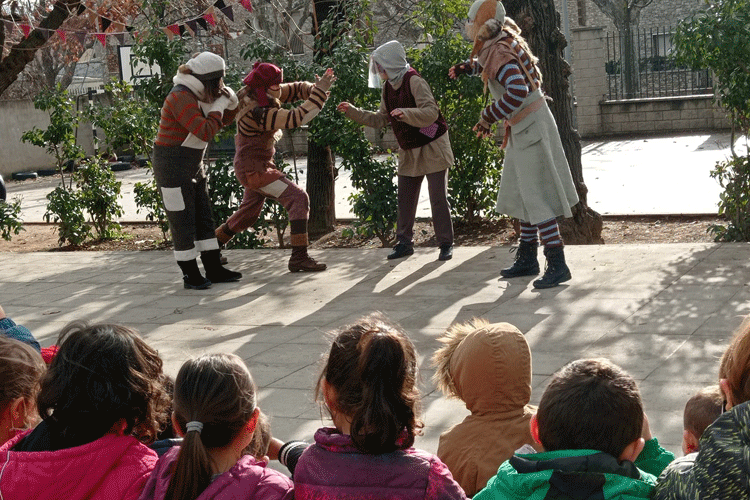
596	438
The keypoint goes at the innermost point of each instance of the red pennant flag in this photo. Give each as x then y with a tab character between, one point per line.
210	18
227	11
26	29
102	37
170	34
174	28
61	33
247	4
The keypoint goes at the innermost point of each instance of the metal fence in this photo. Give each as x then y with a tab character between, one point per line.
640	65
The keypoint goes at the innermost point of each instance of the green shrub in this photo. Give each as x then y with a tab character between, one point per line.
10	218
98	194
148	198
734	176
66	210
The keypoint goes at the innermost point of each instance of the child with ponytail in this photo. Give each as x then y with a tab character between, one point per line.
215	411
369	387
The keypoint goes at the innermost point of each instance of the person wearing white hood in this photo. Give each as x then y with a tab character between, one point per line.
196	108
408	105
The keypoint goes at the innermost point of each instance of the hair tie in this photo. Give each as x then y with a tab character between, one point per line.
194	426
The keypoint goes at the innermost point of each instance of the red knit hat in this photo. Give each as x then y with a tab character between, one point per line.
262	76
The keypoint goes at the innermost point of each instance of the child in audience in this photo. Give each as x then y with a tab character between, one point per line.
488	367
368	384
9	328
720	469
21	367
216	413
598	444
700	411
100	401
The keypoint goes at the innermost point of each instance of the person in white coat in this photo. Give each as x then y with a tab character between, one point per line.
536	185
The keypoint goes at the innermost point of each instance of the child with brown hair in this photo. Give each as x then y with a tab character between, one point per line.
21	367
101	401
720	468
368	384
488	367
216	412
700	411
596	439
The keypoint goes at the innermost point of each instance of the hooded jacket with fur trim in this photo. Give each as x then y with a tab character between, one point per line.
488	367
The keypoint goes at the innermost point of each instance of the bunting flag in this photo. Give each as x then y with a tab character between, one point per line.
209	16
108	27
227	11
192	27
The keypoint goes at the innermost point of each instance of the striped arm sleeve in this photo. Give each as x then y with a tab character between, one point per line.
295	91
187	113
302	114
516	90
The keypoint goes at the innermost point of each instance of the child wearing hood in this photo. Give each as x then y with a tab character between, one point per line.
488	367
425	150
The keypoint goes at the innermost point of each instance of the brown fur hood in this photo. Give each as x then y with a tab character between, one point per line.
488	366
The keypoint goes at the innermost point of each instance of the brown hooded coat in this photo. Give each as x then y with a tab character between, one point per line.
488	367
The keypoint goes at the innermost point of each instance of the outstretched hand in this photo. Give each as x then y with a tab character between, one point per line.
459	69
482	129
324	82
343	107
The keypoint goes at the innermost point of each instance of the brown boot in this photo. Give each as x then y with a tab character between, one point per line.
223	234
301	262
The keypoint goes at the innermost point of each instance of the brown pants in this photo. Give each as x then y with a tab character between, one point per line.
408	198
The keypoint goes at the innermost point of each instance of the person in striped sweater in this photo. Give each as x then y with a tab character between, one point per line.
259	123
536	186
196	108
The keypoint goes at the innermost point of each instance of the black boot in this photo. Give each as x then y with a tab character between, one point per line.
557	270
191	275
215	271
525	263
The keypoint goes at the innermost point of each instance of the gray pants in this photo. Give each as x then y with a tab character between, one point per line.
408	198
182	182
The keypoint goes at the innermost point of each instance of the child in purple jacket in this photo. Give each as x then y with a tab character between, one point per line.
215	412
368	385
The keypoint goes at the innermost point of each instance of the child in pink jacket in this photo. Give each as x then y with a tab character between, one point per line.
215	412
101	401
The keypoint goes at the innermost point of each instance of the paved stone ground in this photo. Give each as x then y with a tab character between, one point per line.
663	312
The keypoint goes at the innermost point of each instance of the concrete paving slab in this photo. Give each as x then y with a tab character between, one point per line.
664	312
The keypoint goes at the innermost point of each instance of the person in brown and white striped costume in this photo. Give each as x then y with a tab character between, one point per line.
259	123
536	185
196	108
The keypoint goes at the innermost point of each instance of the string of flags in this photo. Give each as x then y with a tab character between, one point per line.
119	30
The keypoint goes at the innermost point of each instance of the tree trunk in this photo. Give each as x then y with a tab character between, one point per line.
540	25
320	188
23	53
320	161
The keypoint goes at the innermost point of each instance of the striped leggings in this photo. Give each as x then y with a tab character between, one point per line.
549	233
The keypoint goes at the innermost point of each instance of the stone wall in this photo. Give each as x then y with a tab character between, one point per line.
595	116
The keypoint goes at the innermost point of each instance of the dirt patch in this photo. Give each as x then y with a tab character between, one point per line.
622	230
